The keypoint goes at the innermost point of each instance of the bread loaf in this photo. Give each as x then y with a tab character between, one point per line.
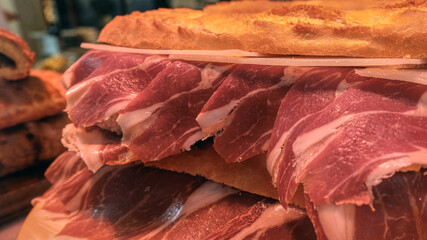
317	28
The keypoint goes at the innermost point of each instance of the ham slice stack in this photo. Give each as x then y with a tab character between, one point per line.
351	146
154	204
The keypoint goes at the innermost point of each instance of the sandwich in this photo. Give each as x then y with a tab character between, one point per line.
311	114
31	122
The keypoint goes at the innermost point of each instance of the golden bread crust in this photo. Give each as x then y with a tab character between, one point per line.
38	96
17	50
250	175
321	28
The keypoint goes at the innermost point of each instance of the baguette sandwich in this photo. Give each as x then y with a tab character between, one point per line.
312	113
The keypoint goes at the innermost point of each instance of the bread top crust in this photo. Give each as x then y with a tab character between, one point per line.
316	28
15	49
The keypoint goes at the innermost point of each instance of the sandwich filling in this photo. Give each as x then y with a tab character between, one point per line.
84	205
323	128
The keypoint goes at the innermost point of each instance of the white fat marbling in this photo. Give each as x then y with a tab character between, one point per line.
408	75
89	144
400	161
128	120
338	222
273	216
42	224
193	138
421	110
207	194
210	121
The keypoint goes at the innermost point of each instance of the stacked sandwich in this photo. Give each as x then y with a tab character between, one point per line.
312	146
31	105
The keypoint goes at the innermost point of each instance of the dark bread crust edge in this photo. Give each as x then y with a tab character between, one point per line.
15	48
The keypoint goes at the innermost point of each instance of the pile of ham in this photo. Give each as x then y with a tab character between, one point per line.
354	147
137	202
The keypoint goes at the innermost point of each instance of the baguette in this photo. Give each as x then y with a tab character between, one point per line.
320	28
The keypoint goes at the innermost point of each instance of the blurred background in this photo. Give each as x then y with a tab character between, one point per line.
54	29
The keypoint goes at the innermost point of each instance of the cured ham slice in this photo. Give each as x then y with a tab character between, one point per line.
83	67
66	166
161	120
241	112
341	155
96	63
398	212
314	90
96	146
135	202
112	84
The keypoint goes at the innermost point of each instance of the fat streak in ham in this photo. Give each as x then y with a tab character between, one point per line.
241	112
347	140
108	88
400	212
96	146
149	207
83	67
313	91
